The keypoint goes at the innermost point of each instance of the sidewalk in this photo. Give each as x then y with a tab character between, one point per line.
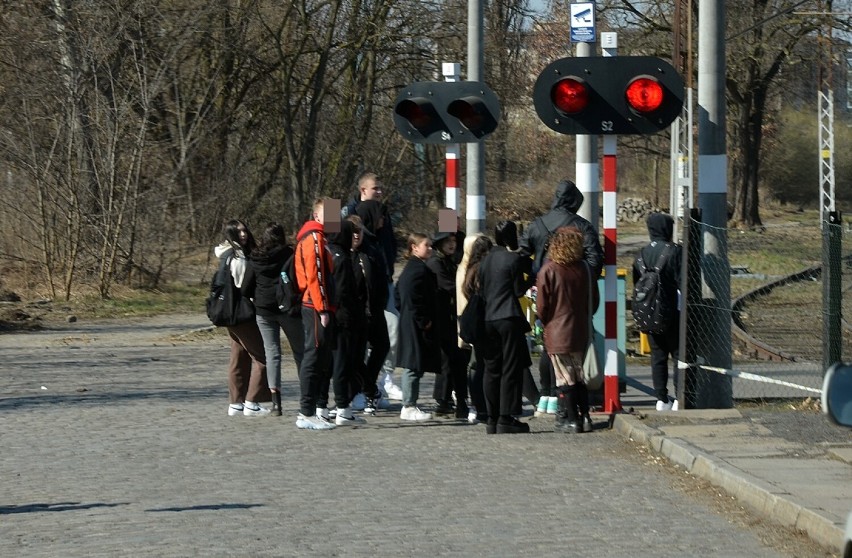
805	484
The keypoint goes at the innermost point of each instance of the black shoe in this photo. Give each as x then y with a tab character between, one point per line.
443	410
491	427
587	424
514	427
276	403
461	412
568	427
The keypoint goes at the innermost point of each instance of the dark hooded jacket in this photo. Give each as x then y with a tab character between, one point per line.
660	231
563	212
350	310
383	239
262	275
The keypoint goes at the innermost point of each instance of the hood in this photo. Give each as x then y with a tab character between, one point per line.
370	212
660	226
222	249
567	197
309	227
342	239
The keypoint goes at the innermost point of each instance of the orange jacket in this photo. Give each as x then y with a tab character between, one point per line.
314	268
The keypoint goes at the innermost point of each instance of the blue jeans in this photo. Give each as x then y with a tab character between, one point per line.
270	330
410	386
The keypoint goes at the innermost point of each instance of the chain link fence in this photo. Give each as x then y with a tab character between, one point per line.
786	285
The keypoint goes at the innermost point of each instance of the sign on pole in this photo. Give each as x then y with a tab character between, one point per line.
583	22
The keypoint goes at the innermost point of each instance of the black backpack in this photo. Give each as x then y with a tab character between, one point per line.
287	292
652	303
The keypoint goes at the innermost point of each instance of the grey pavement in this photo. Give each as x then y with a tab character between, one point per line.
115	442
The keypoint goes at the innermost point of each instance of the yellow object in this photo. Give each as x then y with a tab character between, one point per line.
644	346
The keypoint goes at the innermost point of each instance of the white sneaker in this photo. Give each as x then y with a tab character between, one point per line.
414	413
471	416
358	402
313	423
322	413
345	417
675	405
235	409
394	392
663	406
254	410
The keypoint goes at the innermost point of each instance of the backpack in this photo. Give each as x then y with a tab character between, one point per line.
287	292
225	304
652	306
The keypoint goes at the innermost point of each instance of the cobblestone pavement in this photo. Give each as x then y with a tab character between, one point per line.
116	442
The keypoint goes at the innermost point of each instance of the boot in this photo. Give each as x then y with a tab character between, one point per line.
276	403
583	407
568	420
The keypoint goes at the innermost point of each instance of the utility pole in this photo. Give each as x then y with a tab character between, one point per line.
681	158
712	343
475	162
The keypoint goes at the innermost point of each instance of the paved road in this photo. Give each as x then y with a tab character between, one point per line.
116	442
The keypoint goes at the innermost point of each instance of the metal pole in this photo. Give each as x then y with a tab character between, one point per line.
832	275
475	199
586	167
713	341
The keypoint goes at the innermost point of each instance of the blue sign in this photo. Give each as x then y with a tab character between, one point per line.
583	22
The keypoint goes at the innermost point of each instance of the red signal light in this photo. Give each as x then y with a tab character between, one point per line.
419	112
644	94
570	95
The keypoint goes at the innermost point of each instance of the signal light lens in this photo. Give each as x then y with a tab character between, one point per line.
644	94
419	113
570	95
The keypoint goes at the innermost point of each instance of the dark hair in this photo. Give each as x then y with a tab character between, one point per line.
506	234
232	235
478	251
273	237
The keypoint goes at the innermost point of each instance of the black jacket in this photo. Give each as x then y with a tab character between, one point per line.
502	282
444	269
262	276
563	212
350	313
371	278
660	231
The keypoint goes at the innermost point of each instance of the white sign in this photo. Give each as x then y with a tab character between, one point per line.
583	22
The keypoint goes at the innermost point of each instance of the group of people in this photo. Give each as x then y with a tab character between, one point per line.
340	338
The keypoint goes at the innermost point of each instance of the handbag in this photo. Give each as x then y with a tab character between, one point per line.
225	304
472	320
592	375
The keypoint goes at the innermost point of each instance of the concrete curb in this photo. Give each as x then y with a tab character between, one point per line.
766	500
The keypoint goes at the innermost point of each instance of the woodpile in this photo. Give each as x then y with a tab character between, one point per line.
635	209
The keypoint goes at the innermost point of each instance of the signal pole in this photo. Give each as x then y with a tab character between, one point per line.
475	162
713	342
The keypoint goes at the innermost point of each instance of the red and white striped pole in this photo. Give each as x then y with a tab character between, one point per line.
612	397
452	72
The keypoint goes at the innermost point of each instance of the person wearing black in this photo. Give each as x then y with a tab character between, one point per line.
534	242
262	275
373	222
349	318
660	231
453	375
504	276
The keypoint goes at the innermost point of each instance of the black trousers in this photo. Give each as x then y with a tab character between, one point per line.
453	376
316	362
663	345
506	355
342	371
379	342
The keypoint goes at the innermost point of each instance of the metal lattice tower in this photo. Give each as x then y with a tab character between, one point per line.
825	113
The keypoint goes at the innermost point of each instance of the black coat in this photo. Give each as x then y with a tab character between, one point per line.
262	276
415	298
444	269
